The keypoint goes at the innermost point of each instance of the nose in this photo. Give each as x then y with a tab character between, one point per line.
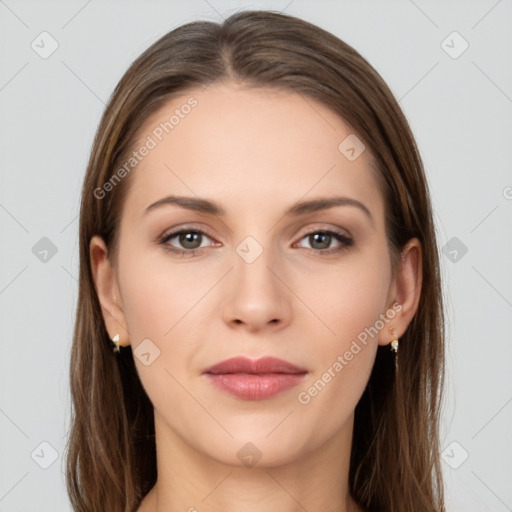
258	298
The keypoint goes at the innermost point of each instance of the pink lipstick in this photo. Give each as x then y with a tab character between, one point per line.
250	379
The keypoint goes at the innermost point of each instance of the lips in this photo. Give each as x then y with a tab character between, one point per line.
254	379
258	366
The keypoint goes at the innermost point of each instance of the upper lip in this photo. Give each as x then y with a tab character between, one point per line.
258	366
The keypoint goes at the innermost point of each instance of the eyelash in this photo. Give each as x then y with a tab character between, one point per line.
345	241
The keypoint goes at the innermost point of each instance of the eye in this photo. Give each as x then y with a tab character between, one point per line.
320	240
189	239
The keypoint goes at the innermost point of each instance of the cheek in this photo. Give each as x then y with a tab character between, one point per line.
328	400
159	306
343	364
348	298
157	299
162	303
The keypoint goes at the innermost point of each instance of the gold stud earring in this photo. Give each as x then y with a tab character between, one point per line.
115	343
394	345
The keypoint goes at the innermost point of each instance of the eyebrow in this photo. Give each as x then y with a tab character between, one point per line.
299	208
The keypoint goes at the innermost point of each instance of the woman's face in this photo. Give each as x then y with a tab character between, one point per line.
252	280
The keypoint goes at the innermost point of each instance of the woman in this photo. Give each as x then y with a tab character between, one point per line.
260	319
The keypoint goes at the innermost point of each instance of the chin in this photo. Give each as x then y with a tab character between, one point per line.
259	449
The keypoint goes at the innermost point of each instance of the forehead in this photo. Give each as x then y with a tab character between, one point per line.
241	146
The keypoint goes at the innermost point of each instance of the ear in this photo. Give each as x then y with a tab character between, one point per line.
405	292
105	281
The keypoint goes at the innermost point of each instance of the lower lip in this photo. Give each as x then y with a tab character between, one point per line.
255	387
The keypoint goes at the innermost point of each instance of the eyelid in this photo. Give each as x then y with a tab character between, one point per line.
185	227
326	227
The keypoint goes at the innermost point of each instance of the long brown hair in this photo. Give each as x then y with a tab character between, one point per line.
395	463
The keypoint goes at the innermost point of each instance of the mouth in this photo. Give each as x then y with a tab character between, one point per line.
259	379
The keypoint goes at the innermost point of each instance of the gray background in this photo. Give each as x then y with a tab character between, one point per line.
460	110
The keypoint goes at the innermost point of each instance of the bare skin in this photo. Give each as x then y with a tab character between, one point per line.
255	152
